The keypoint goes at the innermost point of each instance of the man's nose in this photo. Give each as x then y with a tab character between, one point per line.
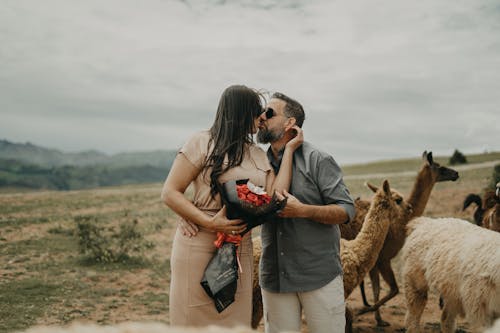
262	117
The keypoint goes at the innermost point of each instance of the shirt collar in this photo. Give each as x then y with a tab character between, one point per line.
275	162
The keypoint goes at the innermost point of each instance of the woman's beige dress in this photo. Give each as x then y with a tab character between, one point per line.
189	303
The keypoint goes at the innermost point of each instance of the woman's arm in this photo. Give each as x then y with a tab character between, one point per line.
180	176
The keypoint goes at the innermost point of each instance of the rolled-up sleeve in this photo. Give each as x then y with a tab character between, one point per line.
332	187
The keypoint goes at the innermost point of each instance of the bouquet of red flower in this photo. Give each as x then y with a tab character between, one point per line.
252	204
249	202
256	195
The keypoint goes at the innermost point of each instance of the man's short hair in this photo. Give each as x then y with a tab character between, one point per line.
292	109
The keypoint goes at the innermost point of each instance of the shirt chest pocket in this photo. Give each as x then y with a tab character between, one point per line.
305	189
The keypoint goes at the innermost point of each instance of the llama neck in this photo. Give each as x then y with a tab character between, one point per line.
371	238
495	218
421	192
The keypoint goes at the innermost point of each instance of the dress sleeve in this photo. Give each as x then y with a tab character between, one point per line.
195	149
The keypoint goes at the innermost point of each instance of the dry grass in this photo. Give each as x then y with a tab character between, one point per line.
44	279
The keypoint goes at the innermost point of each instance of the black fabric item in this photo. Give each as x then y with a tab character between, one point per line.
221	276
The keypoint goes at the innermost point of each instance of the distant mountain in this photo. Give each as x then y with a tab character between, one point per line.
16	174
25	165
45	157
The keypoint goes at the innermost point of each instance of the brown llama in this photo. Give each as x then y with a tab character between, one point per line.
429	174
482	205
491	217
359	255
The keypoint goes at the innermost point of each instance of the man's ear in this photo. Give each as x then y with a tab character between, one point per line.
290	122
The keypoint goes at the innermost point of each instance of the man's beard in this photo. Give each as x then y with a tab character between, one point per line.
265	135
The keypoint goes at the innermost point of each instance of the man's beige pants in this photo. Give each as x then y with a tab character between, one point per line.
324	309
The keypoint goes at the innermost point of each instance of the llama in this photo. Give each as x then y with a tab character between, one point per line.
257	308
479	212
488	201
487	213
429	174
358	256
491	217
458	260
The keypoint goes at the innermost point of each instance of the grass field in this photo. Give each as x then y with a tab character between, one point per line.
44	279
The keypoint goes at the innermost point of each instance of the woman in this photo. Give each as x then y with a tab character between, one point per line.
208	159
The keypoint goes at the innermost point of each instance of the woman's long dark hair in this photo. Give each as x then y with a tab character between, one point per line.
231	130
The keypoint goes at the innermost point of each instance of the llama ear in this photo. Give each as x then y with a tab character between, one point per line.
429	158
424	155
372	187
387	188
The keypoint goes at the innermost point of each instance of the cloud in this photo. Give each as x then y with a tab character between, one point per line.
378	79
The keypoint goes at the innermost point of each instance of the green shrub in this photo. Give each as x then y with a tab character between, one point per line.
106	244
457	158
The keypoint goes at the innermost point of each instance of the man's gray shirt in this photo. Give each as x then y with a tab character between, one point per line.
300	254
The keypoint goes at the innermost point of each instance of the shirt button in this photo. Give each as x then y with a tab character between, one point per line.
282	253
281	233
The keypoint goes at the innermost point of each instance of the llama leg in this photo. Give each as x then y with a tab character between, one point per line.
416	298
378	318
385	269
374	278
388	275
448	317
363	294
349	318
257	309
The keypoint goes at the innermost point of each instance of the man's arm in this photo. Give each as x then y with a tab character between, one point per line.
327	214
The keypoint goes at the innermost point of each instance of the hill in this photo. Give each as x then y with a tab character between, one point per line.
30	166
46	157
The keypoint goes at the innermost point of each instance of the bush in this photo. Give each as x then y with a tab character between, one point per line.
106	244
457	158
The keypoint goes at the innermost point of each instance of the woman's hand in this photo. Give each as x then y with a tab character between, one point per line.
297	141
188	228
221	223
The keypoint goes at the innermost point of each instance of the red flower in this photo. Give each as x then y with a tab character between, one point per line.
246	195
242	188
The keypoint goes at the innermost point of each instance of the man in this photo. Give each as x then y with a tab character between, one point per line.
300	266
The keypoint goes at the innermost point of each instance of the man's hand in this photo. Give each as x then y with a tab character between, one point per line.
293	208
188	229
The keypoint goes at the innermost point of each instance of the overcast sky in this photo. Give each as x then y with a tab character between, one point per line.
378	79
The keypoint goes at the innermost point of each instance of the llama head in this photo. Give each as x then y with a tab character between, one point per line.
435	171
492	213
490	199
390	204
